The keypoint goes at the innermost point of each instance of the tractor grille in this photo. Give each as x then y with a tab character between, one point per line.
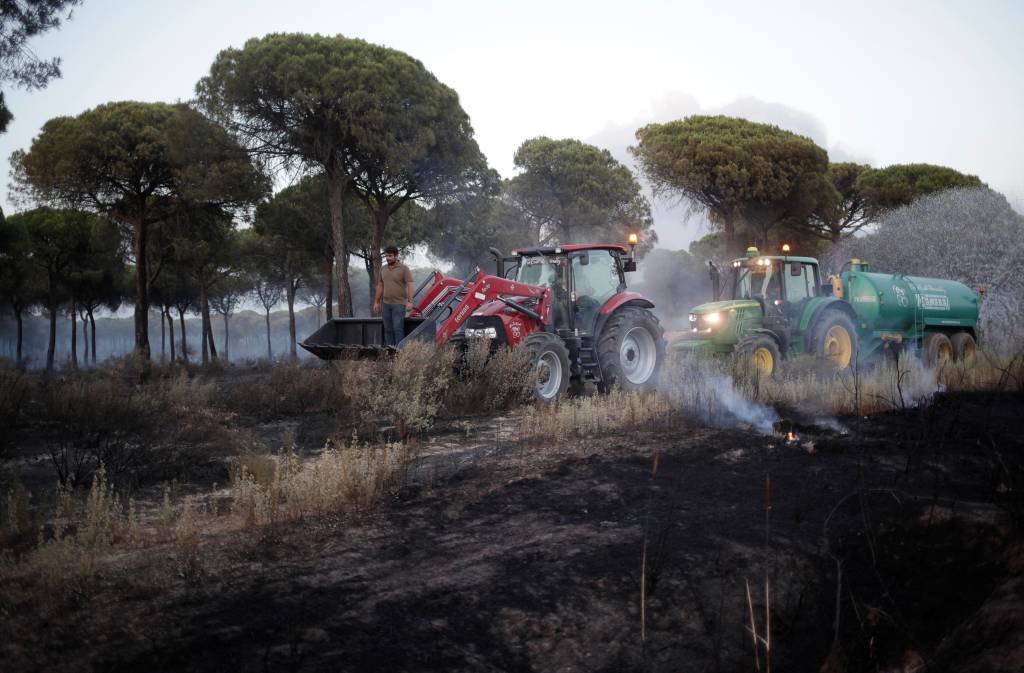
481	326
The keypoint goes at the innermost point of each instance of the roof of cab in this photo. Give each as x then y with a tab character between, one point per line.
571	247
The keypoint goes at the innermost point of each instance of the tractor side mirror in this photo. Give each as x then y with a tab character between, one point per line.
716	289
584	259
796	270
629	265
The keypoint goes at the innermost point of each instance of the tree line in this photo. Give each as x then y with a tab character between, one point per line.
171	205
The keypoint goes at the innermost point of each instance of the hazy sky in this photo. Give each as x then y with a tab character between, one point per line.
879	82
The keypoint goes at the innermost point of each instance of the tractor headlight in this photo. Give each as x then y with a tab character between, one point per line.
693	317
481	333
713	318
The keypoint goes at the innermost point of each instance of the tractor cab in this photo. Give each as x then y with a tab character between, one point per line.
581	279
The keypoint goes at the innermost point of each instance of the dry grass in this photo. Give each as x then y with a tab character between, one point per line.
407	392
597	415
803	382
80	533
491	380
345	477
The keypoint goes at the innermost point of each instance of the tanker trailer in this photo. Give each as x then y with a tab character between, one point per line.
936	316
778	306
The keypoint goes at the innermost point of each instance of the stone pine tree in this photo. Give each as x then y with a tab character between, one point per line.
744	174
124	160
574	193
900	184
463	231
58	240
19	64
844	210
22	282
98	278
372	119
290	248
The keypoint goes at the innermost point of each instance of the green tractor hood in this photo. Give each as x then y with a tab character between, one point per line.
715	327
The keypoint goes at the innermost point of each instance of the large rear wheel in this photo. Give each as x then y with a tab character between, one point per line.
835	339
631	350
549	360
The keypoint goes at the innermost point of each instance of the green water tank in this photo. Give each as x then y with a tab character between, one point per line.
898	303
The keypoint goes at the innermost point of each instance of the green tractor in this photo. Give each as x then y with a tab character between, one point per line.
778	306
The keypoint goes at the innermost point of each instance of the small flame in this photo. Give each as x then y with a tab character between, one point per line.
790	437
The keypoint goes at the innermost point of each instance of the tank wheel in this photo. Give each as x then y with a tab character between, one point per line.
549	360
938	349
964	347
835	339
631	350
761	353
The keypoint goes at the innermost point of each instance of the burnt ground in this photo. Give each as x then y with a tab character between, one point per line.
535	556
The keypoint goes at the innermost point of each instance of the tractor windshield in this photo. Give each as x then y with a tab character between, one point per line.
757	282
541	270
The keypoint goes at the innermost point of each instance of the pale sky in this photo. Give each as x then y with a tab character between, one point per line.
878	82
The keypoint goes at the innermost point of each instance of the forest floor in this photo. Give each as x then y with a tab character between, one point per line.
649	551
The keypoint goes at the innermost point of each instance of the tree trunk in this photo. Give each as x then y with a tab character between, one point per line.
51	345
21	333
170	329
728	233
184	342
329	289
380	223
139	234
92	342
204	346
368	264
163	335
209	333
227	353
270	352
337	183
74	335
291	319
85	335
209	347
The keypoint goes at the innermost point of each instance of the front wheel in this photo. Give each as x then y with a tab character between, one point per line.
761	353
549	362
631	350
835	339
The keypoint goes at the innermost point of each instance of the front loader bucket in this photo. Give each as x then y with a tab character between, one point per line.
351	338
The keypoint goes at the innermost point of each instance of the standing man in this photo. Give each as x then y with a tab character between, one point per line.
395	289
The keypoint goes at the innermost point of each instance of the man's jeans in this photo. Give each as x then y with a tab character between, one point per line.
394	323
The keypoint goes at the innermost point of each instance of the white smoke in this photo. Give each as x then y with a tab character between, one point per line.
761	417
703	390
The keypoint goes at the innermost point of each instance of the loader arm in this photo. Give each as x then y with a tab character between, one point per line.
485	288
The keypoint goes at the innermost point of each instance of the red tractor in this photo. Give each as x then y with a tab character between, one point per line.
568	306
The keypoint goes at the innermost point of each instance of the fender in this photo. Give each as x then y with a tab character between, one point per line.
624	298
775	337
616	302
811	317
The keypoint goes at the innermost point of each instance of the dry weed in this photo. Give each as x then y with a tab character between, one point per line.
596	415
407	392
345	477
68	552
